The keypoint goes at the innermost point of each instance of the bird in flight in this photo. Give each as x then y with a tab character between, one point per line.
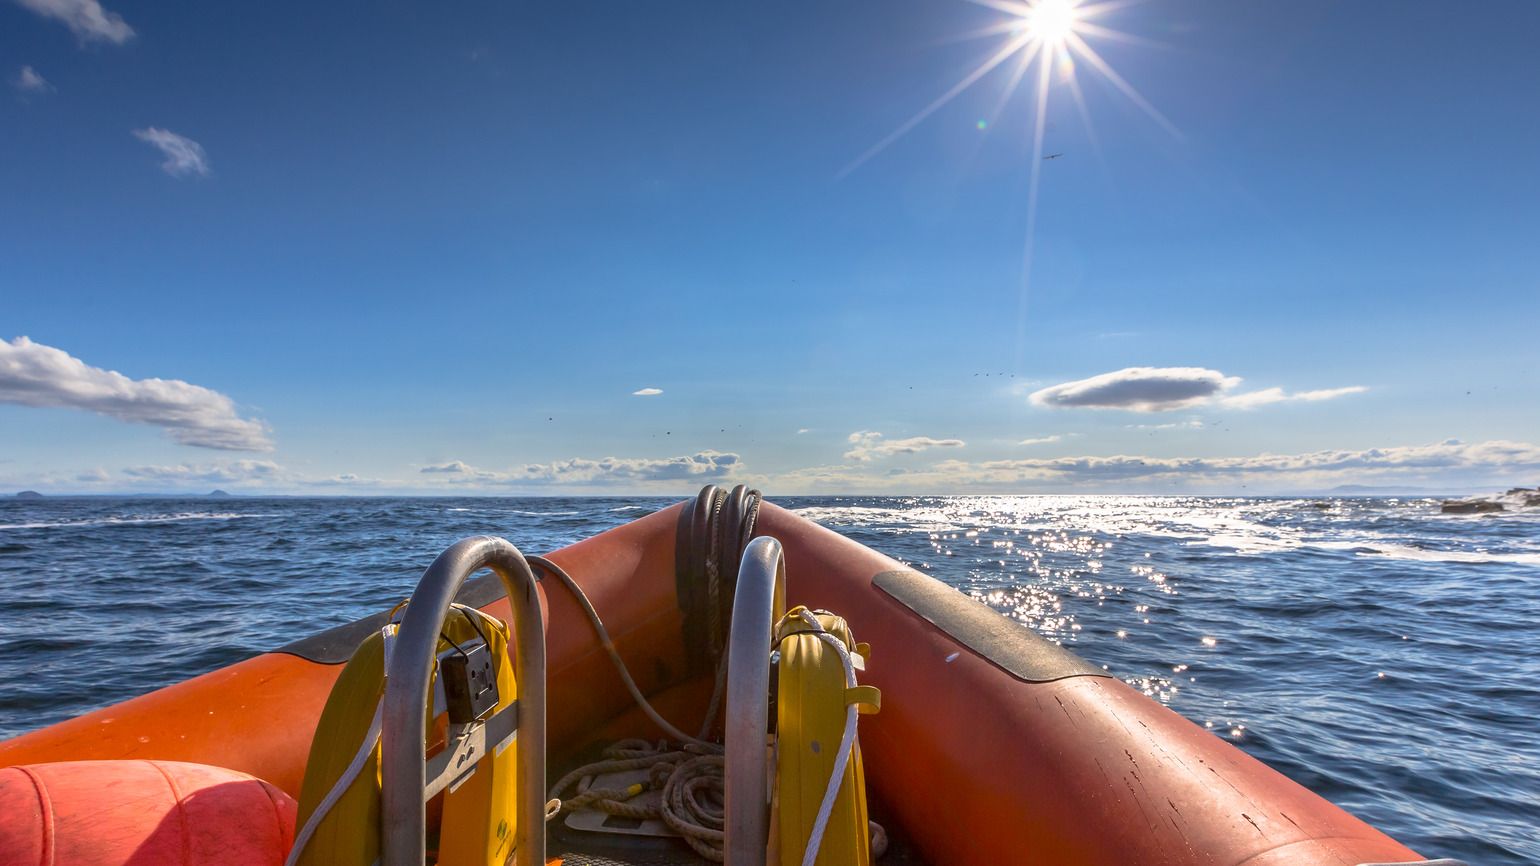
1052	156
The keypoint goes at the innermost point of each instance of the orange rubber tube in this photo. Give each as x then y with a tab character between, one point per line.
984	768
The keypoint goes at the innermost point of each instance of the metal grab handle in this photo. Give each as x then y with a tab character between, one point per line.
403	769
758	601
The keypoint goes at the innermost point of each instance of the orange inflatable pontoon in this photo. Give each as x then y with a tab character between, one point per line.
440	732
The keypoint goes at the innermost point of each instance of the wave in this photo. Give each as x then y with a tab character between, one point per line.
1420	554
1368	547
121	521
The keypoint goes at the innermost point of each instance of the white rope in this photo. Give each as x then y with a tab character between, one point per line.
356	766
847	742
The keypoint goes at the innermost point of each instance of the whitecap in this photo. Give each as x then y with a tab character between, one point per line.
119	521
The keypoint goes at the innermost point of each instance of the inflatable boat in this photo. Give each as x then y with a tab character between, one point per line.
720	681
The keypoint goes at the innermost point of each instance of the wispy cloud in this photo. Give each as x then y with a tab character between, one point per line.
867	445
85	18
801	430
1190	424
1042	440
1268	396
32	374
1164	389
184	157
243	471
29	80
646	392
601	472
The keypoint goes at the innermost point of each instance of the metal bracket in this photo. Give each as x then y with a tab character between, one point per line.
467	745
758	602
404	774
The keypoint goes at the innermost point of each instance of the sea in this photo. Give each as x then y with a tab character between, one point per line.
1383	654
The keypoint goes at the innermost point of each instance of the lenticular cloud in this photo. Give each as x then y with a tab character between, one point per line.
1139	389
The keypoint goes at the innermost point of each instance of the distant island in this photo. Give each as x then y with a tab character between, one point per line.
218	493
1516	499
29	494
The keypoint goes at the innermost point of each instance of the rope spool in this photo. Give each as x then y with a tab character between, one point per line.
690	777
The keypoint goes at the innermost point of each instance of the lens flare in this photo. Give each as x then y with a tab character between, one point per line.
1052	34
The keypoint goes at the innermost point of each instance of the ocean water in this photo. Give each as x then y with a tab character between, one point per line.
1378	652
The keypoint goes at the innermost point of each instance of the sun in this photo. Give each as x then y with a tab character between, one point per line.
1052	21
1050	35
1054	37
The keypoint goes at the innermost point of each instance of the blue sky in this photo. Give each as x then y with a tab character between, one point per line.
363	242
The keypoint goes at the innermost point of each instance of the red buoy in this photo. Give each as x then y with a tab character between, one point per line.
141	813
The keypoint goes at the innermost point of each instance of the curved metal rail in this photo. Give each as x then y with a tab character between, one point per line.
760	599
403	770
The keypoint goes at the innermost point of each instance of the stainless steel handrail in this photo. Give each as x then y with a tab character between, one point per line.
758	601
403	770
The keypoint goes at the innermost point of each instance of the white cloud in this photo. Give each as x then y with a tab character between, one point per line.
1162	389
85	18
1140	389
867	445
801	430
647	392
1042	440
183	155
453	467
32	374
29	80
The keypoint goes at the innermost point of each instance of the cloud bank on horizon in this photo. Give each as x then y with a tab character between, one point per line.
1313	471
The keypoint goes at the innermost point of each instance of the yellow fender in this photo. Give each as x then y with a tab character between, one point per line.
477	827
810	722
